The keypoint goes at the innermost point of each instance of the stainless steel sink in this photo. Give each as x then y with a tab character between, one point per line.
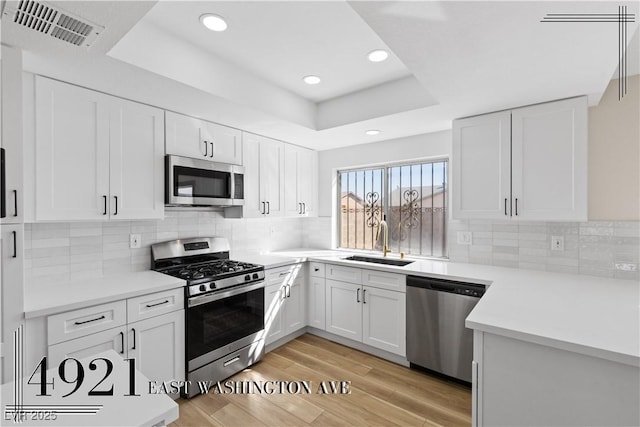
387	261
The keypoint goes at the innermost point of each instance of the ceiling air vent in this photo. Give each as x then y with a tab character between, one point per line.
53	21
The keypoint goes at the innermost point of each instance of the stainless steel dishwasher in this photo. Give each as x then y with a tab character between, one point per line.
436	336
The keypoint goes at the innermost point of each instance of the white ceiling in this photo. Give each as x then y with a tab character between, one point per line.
448	59
284	41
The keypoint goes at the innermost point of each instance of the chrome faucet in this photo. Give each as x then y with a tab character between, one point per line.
384	228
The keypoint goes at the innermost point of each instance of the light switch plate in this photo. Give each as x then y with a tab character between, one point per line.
134	241
464	237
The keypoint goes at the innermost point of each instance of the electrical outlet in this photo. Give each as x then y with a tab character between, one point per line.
557	243
464	238
134	241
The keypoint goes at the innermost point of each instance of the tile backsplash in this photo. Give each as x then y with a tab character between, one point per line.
68	251
62	251
597	248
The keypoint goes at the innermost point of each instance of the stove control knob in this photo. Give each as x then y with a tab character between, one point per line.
202	288
255	276
247	278
212	285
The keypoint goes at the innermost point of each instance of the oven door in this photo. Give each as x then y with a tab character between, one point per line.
222	322
200	182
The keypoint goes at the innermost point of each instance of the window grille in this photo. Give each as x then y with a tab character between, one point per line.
413	197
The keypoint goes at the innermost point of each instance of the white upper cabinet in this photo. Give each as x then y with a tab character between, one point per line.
300	176
136	166
96	156
11	133
528	163
263	160
481	166
191	137
549	160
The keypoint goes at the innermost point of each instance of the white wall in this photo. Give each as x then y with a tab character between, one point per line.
432	145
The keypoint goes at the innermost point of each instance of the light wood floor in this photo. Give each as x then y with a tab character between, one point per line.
382	393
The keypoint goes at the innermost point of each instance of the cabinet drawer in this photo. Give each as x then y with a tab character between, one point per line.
155	304
287	274
78	323
344	274
384	280
317	269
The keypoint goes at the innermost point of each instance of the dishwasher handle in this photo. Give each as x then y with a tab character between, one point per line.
449	286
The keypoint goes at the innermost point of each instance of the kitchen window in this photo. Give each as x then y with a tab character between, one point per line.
414	198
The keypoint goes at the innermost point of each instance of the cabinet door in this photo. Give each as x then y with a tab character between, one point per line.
273	313
307	181
272	175
550	161
384	320
344	309
11	133
11	277
224	144
316	302
253	203
292	205
136	161
295	306
480	164
72	152
157	344
183	136
111	339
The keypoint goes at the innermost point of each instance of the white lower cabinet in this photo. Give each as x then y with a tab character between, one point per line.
154	338
285	302
361	312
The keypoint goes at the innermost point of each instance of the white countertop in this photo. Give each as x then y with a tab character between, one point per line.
43	299
590	315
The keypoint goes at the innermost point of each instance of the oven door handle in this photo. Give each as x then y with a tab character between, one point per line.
195	301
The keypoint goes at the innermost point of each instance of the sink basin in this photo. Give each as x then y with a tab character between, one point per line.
387	261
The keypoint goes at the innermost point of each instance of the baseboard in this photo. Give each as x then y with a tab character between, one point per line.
340	340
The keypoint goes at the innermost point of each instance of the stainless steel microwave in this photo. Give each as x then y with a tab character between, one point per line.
195	182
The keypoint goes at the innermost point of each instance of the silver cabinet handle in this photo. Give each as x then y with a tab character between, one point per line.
516	206
268	207
264	208
134	339
505	206
211	155
15	202
105	204
299	208
122	342
358	295
157	304
304	208
206	145
116	211
364	296
288	291
230	361
90	320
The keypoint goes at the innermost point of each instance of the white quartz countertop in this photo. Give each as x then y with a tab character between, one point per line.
590	315
43	299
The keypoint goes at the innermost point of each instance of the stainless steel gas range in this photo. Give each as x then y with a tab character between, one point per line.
224	303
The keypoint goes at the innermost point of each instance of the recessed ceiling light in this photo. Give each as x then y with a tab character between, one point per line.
378	55
372	132
213	22
311	80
